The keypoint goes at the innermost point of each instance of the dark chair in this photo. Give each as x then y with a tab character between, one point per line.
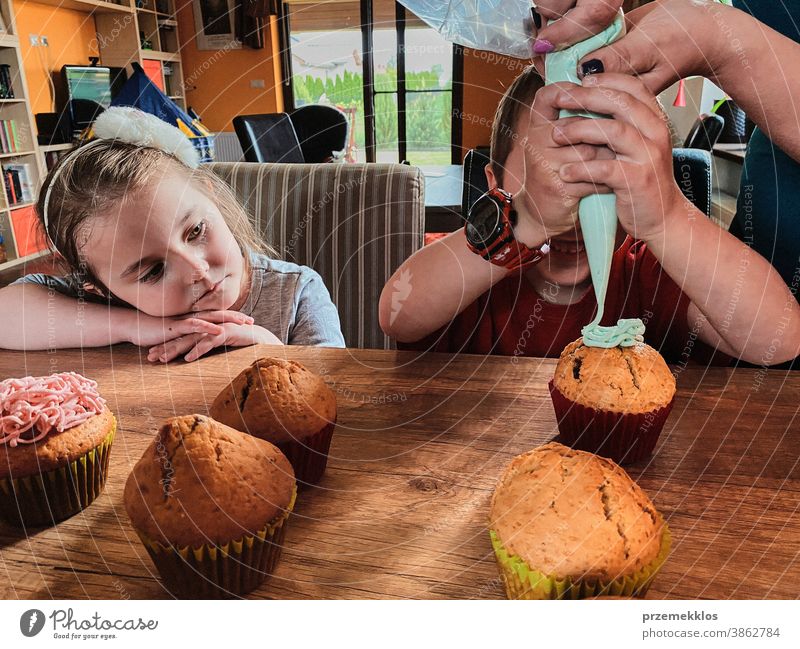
268	138
705	132
322	131
692	169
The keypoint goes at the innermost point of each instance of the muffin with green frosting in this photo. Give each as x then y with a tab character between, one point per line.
612	401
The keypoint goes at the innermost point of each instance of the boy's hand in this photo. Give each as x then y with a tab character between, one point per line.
547	204
195	345
145	330
641	175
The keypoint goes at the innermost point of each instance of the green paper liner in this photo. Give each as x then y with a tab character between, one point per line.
523	582
44	499
220	571
309	456
624	438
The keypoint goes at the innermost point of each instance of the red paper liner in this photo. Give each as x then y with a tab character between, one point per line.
309	456
624	438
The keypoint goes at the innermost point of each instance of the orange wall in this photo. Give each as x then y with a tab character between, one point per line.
486	77
72	39
218	82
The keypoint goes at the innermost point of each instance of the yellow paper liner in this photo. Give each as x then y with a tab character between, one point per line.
523	582
44	499
213	571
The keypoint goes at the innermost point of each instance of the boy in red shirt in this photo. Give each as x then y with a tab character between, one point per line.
696	287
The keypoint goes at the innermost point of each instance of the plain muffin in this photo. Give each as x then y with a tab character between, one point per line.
277	400
572	515
201	482
287	404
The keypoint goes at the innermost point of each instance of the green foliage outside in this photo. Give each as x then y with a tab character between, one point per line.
428	115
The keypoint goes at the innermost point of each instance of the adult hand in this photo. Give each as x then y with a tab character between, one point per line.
577	20
195	345
666	40
641	176
146	330
546	204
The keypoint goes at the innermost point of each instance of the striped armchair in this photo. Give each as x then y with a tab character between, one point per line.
352	223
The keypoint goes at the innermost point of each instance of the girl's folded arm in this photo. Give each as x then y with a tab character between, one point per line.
433	286
37	317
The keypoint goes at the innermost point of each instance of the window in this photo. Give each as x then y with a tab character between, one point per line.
391	74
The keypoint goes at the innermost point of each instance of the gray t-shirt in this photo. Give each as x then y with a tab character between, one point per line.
289	300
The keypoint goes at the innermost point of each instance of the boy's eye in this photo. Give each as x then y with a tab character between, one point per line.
154	274
197	231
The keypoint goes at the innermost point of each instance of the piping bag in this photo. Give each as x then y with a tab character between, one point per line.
597	213
505	27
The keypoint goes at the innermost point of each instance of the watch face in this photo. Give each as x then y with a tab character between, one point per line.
483	222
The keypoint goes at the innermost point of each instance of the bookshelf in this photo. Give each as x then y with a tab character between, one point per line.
19	150
144	31
162	24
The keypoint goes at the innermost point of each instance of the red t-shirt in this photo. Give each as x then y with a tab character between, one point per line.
512	319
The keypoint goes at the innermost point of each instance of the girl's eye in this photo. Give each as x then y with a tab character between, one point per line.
154	274
197	231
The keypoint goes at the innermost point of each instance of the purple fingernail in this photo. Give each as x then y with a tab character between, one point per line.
543	46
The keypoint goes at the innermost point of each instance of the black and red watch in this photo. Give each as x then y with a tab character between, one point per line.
490	233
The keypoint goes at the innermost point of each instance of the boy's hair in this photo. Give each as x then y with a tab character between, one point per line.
90	183
518	95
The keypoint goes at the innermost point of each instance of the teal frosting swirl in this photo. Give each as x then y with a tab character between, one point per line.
626	333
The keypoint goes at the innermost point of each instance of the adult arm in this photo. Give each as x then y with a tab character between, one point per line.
669	40
739	303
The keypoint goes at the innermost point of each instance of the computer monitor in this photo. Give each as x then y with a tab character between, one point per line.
88	92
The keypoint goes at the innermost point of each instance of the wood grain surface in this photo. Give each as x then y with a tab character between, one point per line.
420	442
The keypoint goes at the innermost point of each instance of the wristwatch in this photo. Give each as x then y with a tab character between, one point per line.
490	233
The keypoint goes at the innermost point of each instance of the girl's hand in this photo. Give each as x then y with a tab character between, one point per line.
547	204
581	19
641	175
145	330
669	40
195	345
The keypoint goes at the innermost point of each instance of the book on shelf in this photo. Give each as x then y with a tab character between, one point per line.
17	181
24	175
9	141
27	231
6	89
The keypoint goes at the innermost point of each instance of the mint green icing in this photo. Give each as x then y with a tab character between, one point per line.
626	333
597	214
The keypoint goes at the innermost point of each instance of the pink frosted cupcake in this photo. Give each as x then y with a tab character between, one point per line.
55	441
613	402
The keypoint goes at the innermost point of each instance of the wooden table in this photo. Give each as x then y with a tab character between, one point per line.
420	442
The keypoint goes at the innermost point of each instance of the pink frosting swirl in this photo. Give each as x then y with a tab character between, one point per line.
42	404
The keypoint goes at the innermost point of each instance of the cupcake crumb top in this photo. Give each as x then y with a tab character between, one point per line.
202	482
573	514
276	399
631	380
